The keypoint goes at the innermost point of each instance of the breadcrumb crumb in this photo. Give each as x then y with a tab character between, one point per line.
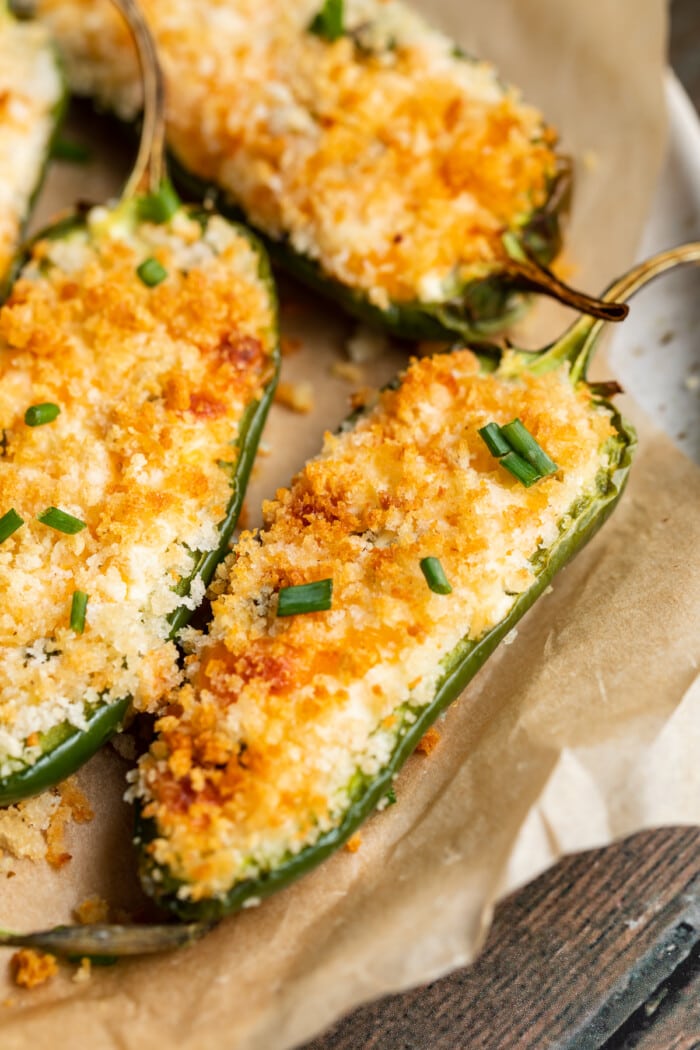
84	972
299	397
427	744
32	968
92	909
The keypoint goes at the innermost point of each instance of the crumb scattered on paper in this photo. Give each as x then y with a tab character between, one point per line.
348	371
92	909
73	806
84	972
23	829
299	397
31	968
353	843
428	743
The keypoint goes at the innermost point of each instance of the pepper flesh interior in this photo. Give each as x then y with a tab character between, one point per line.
153	385
283	723
386	157
31	96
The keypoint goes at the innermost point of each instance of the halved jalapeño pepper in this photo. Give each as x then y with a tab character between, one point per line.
138	356
435	519
32	101
384	167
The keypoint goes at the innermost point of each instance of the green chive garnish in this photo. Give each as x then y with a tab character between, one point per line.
520	469
435	576
161	206
73	152
516	449
328	23
37	415
151	272
61	521
77	611
306	598
521	441
9	523
390	797
495	442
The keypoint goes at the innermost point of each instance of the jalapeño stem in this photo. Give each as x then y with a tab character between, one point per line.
149	173
108	940
579	342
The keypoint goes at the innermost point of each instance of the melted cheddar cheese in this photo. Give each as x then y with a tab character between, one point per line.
151	383
260	750
384	156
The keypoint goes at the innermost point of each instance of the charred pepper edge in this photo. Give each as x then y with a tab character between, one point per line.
484	305
75	745
460	667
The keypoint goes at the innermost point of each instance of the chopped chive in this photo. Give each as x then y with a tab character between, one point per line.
328	23
37	415
73	152
61	521
306	598
390	797
435	576
520	469
151	272
77	611
521	441
9	523
161	206
494	440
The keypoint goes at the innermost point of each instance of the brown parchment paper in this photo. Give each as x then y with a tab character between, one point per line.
582	729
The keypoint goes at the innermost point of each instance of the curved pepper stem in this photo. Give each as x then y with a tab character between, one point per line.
103	940
532	277
150	168
580	341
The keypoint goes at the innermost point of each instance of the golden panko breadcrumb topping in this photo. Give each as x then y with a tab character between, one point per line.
386	156
259	752
31	968
150	384
30	92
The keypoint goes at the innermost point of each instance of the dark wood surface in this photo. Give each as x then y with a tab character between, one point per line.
600	953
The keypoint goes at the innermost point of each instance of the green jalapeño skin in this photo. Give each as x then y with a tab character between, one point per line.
382	580
139	356
385	168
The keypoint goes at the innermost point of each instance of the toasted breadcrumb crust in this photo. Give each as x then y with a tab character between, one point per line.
30	91
259	752
31	968
387	157
152	384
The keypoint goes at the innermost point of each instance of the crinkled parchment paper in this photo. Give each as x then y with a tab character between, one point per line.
580	730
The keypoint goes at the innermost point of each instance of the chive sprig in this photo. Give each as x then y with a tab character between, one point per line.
516	449
305	598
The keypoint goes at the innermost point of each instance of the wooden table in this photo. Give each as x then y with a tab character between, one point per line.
602	951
